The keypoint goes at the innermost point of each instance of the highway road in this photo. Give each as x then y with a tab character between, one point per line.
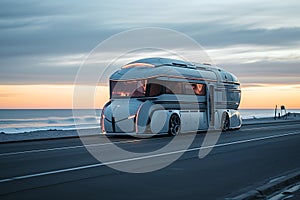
65	169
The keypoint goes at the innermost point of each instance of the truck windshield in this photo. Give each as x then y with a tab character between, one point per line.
128	88
154	87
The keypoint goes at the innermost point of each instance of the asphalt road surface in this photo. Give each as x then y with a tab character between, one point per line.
67	169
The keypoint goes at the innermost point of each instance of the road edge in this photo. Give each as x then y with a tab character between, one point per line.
48	138
269	188
97	134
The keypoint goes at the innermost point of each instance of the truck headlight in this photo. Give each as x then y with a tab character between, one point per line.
132	116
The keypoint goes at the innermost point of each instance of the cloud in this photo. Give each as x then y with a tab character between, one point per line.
265	68
31	73
27	9
244	54
38	27
220	34
44	42
266	72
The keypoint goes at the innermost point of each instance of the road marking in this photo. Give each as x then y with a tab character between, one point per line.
66	147
127	141
267	127
142	157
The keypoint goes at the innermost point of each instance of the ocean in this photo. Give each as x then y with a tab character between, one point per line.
27	120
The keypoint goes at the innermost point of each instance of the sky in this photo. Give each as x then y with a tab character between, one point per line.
43	44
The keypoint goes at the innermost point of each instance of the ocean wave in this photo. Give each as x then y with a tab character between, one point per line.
13	130
49	119
11	126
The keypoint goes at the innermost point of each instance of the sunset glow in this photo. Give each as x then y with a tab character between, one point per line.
61	96
44	96
267	96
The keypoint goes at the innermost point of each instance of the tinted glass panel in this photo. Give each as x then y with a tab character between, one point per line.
128	88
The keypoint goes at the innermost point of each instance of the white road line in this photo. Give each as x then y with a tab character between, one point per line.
65	148
127	141
267	127
143	157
